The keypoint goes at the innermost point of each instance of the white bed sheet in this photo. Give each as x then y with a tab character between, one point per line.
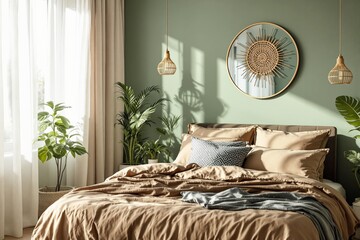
336	186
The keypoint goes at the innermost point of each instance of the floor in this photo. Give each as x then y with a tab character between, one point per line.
26	236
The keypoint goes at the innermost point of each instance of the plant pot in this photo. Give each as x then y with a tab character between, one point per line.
48	196
153	161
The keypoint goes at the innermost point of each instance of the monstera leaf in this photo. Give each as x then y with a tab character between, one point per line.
349	108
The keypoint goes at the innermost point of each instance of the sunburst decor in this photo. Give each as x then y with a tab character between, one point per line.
265	55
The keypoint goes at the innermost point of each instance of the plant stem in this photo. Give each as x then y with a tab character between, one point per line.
356	175
62	172
58	174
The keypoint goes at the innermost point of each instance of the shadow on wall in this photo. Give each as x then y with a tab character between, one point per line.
192	100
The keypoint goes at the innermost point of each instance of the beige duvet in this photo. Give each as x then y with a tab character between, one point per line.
142	202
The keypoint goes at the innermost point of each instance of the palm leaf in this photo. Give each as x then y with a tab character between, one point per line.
349	108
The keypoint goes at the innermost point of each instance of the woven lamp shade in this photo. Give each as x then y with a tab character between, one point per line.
166	66
340	74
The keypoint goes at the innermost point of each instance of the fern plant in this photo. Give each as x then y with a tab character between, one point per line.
58	136
349	108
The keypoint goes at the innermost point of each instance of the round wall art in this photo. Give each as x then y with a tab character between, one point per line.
262	60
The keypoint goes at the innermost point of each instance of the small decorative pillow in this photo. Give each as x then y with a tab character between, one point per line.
245	134
307	140
208	153
304	163
185	149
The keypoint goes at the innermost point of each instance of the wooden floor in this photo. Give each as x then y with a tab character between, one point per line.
27	235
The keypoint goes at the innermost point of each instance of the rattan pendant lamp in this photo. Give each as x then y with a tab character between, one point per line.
166	66
340	74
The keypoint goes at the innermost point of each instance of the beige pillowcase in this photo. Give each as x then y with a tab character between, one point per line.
185	149
245	134
307	140
306	163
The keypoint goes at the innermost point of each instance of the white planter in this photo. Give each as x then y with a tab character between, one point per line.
153	161
48	196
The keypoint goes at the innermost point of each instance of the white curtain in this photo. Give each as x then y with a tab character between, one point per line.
44	55
66	78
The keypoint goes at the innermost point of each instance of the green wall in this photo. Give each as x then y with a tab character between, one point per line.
199	34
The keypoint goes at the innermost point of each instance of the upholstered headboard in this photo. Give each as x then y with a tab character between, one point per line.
330	161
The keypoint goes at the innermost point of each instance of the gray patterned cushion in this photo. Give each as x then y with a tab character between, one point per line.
208	153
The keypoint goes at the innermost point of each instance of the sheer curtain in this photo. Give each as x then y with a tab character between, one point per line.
44	55
66	75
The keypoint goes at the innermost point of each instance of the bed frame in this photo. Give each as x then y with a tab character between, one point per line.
330	160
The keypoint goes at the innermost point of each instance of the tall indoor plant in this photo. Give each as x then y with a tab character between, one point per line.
58	137
349	108
136	114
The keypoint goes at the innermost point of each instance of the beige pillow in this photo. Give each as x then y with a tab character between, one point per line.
307	140
185	149
245	134
306	163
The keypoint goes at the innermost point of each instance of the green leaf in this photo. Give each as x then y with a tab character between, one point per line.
50	104
43	115
349	108
80	150
41	138
47	141
59	151
44	125
59	107
161	130
61	128
73	135
353	157
44	154
65	122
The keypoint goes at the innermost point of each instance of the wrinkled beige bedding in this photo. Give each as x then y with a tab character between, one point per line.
142	202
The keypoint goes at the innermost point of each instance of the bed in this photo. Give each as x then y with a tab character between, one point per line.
197	198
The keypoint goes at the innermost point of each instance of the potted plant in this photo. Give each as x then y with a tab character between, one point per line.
152	149
136	114
349	108
59	140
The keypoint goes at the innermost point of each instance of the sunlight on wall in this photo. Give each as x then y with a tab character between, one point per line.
197	58
250	110
172	83
197	71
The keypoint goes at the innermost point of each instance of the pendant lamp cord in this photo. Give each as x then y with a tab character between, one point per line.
167	36
340	26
